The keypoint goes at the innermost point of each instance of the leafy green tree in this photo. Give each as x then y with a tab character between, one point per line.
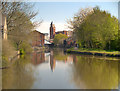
59	39
78	19
98	30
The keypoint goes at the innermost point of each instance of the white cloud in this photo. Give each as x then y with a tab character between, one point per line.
45	26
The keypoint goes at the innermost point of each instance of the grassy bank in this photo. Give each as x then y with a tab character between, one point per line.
95	52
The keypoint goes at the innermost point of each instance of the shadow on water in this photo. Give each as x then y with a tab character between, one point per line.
58	70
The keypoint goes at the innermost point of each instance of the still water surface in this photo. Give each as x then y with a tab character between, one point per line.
57	70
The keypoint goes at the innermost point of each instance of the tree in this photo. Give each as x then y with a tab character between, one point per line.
59	39
97	30
20	20
78	19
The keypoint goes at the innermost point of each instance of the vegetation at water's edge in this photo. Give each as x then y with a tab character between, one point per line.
20	22
95	52
95	28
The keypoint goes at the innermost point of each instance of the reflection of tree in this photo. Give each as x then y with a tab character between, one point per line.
95	73
59	54
19	76
119	74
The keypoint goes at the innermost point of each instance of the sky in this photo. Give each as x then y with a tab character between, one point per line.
59	12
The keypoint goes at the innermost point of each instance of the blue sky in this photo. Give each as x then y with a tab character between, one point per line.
59	12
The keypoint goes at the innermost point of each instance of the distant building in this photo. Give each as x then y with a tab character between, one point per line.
69	33
37	38
62	32
3	25
47	40
53	33
69	40
46	36
52	30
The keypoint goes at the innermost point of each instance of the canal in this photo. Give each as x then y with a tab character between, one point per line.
59	70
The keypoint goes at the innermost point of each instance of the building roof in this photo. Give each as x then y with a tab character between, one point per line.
46	33
38	32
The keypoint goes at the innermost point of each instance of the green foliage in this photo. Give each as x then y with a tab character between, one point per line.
25	48
59	38
98	30
8	51
22	51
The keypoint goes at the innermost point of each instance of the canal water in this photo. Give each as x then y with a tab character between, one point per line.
58	70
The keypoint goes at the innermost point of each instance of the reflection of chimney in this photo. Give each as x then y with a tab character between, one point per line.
52	64
52	61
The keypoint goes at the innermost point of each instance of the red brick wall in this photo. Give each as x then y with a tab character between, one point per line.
52	32
38	39
63	32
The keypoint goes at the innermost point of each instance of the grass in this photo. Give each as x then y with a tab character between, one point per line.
95	51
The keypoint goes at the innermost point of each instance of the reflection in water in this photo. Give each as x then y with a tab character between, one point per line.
36	71
17	76
38	58
52	61
92	73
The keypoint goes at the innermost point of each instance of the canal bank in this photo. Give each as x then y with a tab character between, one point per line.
59	70
94	53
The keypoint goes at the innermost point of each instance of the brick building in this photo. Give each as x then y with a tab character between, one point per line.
53	33
52	30
68	33
62	32
37	38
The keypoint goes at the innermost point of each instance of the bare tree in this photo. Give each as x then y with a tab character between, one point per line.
20	20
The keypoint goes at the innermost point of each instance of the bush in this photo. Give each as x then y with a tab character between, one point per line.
25	48
22	51
7	50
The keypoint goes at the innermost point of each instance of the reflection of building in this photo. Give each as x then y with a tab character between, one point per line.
38	58
52	61
75	59
69	59
37	38
3	26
